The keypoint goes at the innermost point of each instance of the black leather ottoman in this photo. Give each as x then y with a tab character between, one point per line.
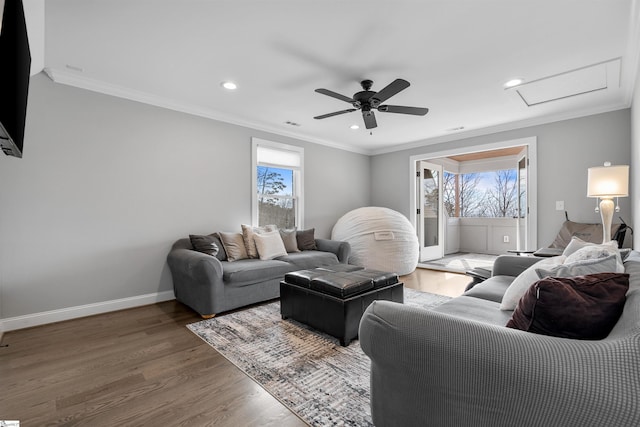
333	301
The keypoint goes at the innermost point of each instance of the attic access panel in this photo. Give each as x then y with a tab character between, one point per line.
592	78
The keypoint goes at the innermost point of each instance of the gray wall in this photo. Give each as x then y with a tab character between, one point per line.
565	150
106	185
635	158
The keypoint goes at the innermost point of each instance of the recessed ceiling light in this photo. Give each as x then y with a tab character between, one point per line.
229	85
513	82
354	127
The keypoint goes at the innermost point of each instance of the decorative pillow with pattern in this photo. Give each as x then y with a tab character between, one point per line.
581	268
594	251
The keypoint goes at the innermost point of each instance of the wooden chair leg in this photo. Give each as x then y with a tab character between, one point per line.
208	316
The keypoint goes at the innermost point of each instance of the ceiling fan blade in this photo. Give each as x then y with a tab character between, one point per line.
416	111
324	116
391	89
335	95
369	119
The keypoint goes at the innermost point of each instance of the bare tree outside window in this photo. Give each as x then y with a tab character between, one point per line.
472	199
449	193
486	194
276	203
502	199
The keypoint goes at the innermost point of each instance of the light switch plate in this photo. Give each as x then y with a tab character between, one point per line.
560	205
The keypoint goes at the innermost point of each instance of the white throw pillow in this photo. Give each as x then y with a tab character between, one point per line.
248	232
580	268
521	283
269	245
594	251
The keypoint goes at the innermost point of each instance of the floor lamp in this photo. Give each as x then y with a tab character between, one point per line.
606	182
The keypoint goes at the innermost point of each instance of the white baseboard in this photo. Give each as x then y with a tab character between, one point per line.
36	319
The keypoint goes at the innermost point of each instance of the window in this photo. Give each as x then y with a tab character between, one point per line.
277	184
482	194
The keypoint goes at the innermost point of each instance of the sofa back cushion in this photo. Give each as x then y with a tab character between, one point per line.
248	236
233	244
306	240
581	307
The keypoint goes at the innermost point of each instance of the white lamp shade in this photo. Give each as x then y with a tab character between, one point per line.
608	181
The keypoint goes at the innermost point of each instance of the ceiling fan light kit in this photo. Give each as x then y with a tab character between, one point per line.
367	100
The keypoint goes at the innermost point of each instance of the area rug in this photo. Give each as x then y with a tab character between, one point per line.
324	383
460	262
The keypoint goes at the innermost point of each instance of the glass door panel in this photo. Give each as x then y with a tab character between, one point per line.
430	214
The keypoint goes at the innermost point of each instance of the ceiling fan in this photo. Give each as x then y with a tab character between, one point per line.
367	101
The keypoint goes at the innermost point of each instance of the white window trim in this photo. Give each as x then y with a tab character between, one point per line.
298	178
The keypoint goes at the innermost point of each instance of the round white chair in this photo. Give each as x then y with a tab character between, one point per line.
380	239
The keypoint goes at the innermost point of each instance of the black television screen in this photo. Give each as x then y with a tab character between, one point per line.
15	68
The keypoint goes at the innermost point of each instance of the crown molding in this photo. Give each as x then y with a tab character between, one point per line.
502	127
95	85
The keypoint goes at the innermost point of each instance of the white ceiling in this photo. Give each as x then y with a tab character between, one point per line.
457	54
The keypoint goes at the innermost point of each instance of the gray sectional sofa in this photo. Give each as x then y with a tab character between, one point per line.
211	285
458	365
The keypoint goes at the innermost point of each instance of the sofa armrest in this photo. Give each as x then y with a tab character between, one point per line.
512	265
431	368
341	249
194	275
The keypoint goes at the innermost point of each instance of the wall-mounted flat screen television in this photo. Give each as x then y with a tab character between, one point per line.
15	67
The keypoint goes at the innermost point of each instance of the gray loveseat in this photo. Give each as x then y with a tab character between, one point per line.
210	286
458	365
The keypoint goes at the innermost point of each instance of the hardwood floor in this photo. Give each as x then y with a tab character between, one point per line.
141	367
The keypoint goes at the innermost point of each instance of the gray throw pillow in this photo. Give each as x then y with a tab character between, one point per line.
205	244
290	241
306	240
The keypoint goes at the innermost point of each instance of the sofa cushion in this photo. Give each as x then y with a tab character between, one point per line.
471	308
581	307
310	259
250	271
233	245
306	240
269	245
492	289
521	283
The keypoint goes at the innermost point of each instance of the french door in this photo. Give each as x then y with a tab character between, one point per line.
430	216
523	205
